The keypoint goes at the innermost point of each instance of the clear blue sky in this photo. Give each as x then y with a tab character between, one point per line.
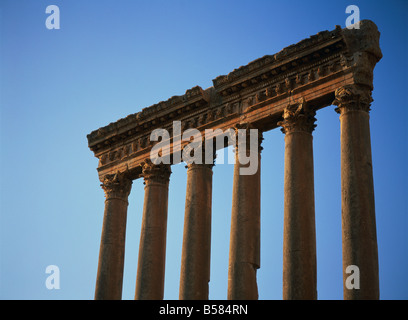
112	58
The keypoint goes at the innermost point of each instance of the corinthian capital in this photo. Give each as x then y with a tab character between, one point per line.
352	97
116	185
298	118
155	172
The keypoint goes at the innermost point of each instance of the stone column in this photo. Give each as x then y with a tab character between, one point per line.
195	259
152	248
299	242
358	212
112	249
244	252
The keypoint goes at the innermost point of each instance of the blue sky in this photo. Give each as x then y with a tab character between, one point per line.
112	58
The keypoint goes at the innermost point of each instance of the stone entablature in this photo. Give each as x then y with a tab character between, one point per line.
256	93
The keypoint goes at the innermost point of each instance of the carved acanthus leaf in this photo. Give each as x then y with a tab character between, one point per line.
117	185
155	172
352	97
298	117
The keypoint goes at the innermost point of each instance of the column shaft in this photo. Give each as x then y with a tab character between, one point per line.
358	209
195	261
152	248
299	243
244	252
112	249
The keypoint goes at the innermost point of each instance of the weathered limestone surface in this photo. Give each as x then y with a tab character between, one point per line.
112	249
358	209
244	253
299	243
152	248
196	253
